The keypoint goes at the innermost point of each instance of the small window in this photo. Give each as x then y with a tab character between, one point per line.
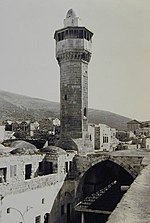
58	36
70	166
43	200
65	97
87	36
3	175
66	33
61	36
13	170
75	33
104	139
90	137
48	168
28	171
8	210
81	34
66	167
85	112
38	219
71	33
83	56
84	34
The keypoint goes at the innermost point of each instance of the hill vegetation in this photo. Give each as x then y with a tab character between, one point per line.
20	107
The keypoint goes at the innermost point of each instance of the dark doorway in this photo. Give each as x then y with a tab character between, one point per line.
28	171
48	167
46	218
68	212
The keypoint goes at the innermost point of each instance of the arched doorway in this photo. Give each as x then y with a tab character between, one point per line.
97	178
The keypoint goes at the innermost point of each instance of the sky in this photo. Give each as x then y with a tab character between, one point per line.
119	70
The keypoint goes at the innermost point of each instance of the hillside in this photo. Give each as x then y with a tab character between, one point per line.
18	107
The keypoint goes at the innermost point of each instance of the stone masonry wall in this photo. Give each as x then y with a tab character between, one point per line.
73	97
27	199
130	163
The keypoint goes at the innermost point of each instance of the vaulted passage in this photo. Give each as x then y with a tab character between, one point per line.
102	188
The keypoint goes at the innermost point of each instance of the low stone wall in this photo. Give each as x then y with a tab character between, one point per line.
31	184
134	206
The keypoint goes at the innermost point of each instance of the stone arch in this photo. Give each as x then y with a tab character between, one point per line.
116	160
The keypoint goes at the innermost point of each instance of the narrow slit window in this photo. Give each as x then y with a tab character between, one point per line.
66	97
85	112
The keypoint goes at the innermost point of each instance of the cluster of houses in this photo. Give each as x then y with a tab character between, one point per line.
35	176
29	129
102	137
140	133
136	136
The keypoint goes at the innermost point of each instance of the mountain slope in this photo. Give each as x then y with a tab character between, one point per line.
17	107
111	119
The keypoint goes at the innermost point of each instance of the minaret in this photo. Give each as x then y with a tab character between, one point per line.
73	53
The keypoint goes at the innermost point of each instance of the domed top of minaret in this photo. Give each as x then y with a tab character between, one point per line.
71	13
71	19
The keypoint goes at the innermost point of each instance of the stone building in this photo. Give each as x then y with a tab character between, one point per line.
145	131
124	136
73	53
103	137
2	133
34	127
46	124
133	125
30	181
20	128
147	143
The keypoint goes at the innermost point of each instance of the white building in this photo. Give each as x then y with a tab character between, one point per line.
147	143
30	182
56	122
34	126
103	137
2	133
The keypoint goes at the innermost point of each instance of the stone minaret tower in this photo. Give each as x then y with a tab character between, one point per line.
73	53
